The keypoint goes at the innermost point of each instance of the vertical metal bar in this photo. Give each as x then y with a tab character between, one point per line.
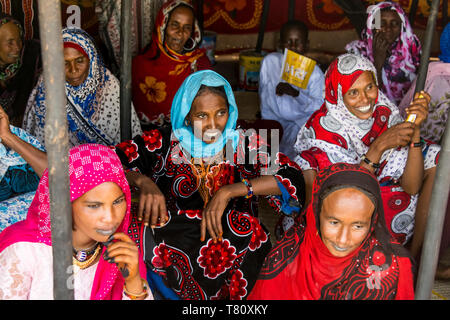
412	12
200	16
291	10
125	70
57	144
262	26
435	222
426	48
444	13
441	187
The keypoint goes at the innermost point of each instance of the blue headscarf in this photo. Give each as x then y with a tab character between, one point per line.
181	106
445	44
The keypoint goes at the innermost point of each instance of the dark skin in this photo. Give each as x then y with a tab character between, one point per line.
208	112
414	179
293	39
33	156
384	37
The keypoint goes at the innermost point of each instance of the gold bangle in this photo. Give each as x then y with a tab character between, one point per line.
133	296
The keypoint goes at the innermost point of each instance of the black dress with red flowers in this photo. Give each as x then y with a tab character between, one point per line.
200	270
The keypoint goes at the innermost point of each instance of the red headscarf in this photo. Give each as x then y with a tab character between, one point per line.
158	73
300	267
89	166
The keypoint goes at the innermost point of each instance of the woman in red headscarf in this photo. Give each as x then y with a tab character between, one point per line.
339	248
173	55
358	124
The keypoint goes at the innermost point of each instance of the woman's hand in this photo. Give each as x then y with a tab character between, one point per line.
125	254
285	88
4	124
419	107
152	203
399	135
212	214
380	49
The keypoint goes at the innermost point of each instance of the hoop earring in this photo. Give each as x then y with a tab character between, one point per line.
193	44
187	123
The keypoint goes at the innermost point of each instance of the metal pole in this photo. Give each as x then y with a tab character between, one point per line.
444	13
291	10
262	26
200	16
441	187
412	12
57	144
125	70
426	48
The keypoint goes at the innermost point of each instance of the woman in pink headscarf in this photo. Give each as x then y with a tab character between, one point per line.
389	42
107	264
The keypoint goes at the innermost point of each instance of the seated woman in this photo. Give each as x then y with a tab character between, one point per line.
93	96
203	176
339	249
392	47
22	162
358	124
101	201
173	55
438	87
20	66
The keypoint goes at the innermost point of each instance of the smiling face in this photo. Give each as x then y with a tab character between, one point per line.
208	116
97	214
361	97
10	44
76	66
391	25
179	28
345	220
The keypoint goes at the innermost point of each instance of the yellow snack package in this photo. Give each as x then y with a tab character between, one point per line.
297	69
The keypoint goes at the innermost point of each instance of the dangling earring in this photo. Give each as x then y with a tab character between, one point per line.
187	123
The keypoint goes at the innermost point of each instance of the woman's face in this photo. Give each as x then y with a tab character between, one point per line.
10	44
208	116
345	220
362	95
76	66
97	214
179	28
391	25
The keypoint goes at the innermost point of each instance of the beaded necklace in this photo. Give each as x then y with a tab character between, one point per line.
85	258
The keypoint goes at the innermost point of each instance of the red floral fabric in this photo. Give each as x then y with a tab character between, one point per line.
198	270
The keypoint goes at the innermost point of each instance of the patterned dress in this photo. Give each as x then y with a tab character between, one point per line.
18	181
333	134
207	270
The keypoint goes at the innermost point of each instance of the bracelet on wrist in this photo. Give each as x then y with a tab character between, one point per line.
417	144
373	164
134	296
249	188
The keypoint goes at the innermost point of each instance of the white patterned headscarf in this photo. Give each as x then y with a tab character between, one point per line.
343	136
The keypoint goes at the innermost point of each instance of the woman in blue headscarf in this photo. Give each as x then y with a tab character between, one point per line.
93	96
198	183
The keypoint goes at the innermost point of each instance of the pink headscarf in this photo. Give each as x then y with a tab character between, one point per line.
89	166
404	57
